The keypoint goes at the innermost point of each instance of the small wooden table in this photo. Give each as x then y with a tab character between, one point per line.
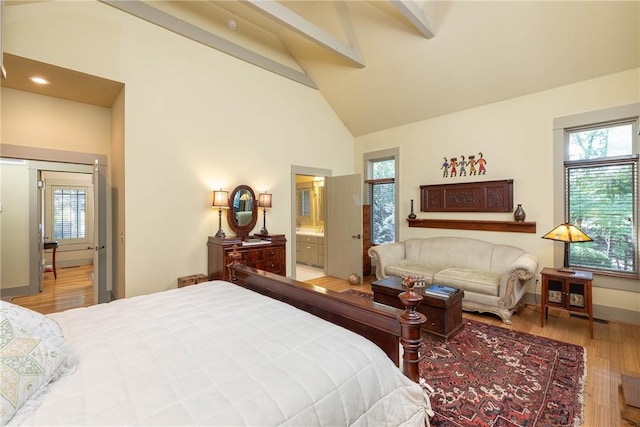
569	291
54	246
444	315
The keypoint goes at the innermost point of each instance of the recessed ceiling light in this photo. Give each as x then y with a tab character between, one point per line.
39	80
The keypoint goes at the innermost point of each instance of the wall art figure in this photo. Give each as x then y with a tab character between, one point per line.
472	165
445	166
462	163
481	162
453	164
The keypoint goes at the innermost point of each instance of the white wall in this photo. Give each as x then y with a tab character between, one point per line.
194	120
33	120
516	138
14	225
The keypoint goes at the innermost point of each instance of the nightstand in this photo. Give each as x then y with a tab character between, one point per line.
569	291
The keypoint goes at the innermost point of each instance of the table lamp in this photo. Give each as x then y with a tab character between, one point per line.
264	202
567	233
220	201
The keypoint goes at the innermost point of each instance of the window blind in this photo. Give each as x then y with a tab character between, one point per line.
69	216
602	200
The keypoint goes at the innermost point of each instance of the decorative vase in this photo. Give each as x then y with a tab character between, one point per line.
519	215
412	215
354	279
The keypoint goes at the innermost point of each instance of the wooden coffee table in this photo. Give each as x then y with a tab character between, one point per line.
444	315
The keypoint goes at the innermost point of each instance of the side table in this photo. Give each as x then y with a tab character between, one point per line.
569	291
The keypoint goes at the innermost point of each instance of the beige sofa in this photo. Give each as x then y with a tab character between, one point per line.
494	277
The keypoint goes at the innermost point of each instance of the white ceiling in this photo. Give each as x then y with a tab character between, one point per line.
481	51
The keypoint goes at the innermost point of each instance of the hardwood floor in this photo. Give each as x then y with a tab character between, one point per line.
615	349
73	288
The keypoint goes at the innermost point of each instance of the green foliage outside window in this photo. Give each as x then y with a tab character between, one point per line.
601	179
383	202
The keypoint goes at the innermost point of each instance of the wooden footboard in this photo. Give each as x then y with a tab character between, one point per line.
385	326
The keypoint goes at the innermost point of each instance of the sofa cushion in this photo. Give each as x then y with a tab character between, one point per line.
451	252
413	268
503	257
479	282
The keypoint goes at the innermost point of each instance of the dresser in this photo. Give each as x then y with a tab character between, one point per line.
366	240
268	253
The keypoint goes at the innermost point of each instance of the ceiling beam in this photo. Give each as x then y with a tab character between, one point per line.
284	16
155	16
415	15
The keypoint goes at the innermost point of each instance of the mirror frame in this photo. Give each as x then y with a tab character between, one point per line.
242	230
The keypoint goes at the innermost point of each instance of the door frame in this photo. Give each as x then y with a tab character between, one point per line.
300	170
69	161
36	168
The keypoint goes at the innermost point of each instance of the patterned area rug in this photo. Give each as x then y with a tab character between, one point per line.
492	376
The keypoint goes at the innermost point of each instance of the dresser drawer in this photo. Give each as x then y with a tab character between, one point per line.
307	239
250	257
366	233
271	254
273	266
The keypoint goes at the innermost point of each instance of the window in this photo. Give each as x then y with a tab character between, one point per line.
601	197
69	214
381	174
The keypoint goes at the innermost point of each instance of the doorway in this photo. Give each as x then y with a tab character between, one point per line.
68	217
314	230
309	219
330	241
24	276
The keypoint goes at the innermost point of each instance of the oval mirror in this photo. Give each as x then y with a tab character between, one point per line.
243	210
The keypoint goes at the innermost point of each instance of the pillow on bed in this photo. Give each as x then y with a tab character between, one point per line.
33	353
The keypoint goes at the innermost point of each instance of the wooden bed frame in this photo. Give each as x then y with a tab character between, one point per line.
386	326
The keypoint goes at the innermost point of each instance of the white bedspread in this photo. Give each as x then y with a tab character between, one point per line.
218	354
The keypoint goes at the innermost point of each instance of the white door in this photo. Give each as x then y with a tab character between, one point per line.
343	225
100	292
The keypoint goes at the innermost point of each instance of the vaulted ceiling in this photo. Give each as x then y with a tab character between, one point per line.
385	63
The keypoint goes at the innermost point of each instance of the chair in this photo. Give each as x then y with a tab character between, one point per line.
54	246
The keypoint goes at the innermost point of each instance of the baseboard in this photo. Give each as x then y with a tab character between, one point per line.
10	293
600	312
76	262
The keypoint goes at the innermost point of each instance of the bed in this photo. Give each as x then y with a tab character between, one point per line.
216	353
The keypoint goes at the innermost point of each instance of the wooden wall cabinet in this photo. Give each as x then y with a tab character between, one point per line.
268	255
484	196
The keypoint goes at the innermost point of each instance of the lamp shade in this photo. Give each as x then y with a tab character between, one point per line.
220	199
264	200
567	233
